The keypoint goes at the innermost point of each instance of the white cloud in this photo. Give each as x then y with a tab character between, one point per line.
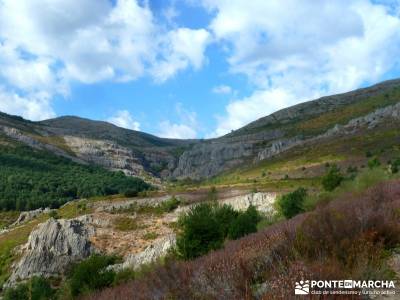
34	107
46	44
182	48
222	89
124	119
186	128
303	49
176	131
243	111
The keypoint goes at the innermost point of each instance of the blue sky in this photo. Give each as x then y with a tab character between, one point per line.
185	68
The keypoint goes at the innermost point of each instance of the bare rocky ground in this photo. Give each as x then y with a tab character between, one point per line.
114	227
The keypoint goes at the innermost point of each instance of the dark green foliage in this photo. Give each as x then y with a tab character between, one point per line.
90	274
131	193
226	216
206	227
291	204
395	166
245	223
36	288
368	154
373	163
332	179
200	232
30	179
352	172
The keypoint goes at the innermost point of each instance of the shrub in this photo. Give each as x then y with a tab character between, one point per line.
332	179
170	205
54	214
131	193
395	166
373	163
37	288
206	227
245	223
125	224
200	232
226	216
91	274
291	204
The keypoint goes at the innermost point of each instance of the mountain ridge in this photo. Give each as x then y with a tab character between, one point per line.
142	154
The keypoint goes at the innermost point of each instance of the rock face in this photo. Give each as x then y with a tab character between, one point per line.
52	247
262	201
107	154
153	252
26	216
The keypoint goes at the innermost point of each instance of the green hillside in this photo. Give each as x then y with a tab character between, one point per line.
30	179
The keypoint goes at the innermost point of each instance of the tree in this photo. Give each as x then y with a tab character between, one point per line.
332	179
245	223
291	204
201	232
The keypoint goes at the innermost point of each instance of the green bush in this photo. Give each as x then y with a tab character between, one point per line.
395	166
332	179
206	226
245	223
201	232
170	205
90	274
373	163
37	288
291	204
226	216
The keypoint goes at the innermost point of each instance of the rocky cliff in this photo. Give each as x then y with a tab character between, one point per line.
144	155
52	247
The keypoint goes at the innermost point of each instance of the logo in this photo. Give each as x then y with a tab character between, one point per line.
345	287
302	287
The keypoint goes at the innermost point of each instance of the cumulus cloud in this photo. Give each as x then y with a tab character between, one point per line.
35	107
302	48
182	47
123	118
46	44
222	89
186	128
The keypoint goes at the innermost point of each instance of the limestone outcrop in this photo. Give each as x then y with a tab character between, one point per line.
151	254
52	247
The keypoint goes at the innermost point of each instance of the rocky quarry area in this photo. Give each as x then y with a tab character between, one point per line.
57	243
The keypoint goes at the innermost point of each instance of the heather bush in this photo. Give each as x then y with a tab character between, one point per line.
291	204
332	178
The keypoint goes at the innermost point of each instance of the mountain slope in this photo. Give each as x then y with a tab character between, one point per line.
319	121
